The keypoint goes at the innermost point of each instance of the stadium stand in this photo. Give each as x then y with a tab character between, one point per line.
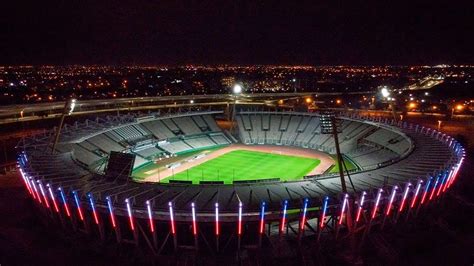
147	139
187	125
147	152
158	129
220	139
105	143
200	142
128	133
303	131
172	126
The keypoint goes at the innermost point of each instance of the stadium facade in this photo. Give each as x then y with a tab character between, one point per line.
400	168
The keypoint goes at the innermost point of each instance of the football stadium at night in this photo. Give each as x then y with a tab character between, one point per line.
236	133
233	174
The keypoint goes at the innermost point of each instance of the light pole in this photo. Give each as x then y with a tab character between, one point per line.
391	101
236	91
69	106
331	125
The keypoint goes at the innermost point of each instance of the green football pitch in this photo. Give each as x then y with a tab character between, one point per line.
248	165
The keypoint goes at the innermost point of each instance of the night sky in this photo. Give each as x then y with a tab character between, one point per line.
236	32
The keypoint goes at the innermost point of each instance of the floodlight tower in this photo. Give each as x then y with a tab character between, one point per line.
69	106
391	101
331	125
236	91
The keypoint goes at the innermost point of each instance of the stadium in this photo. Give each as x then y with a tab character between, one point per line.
217	180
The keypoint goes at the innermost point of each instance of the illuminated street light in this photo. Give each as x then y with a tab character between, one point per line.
458	108
385	92
237	89
72	105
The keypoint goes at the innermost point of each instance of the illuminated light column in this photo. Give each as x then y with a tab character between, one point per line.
323	215
25	181
434	187
450	175
150	216
63	197
283	218
193	212
377	201
343	210
442	184
427	187
417	190
262	217
28	186
303	217
217	218
94	213
170	205
459	167
33	192
111	211
456	171
52	198
454	175
130	217
32	181
392	197
361	206
239	229
44	195
405	194
78	204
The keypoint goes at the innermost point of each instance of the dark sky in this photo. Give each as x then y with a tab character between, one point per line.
236	32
